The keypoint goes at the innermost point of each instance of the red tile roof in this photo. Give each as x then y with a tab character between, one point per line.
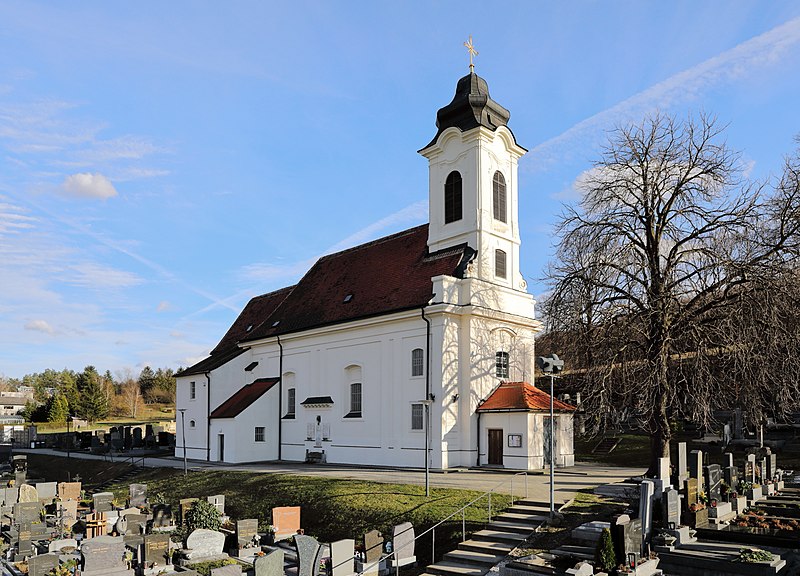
243	398
387	275
521	396
256	311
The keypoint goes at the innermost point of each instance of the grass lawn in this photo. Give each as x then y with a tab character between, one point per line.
632	451
331	508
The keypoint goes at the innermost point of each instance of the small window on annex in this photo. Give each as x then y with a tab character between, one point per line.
416	417
452	197
499	196
192	390
191	423
417	362
259	434
353	375
290	402
499	263
501	364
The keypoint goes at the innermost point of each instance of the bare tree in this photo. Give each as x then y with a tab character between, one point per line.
668	240
130	394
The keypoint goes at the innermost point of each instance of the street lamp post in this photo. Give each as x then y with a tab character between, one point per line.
69	438
427	403
551	365
183	432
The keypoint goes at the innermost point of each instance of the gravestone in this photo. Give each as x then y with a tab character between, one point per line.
156	549
218	501
25	545
342	561
772	466
751	469
227	570
696	467
626	536
269	565
307	549
204	543
713	479
373	550
27	512
96	524
64	546
162	515
67	514
683	472
136	523
137	438
184	506
42	564
763	476
20	465
728	459
28	493
11	496
246	531
731	476
403	544
103	501
646	491
690	492
137	495
672	504
286	521
69	490
663	471
104	556
46	491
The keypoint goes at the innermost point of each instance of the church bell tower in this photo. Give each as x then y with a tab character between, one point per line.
473	183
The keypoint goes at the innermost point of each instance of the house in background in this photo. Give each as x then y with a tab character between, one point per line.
405	349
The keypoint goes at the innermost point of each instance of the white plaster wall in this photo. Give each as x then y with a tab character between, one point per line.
240	444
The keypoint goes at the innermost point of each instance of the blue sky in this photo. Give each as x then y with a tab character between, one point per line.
163	162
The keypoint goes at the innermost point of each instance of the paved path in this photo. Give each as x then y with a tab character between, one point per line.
567	480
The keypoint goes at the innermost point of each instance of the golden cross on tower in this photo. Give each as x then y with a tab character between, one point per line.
472	53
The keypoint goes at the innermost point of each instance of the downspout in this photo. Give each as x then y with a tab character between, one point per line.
280	394
208	416
427	386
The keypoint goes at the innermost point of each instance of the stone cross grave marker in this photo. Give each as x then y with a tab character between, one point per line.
403	543
307	549
156	548
286	520
69	490
218	501
696	467
103	501
683	472
269	565
227	570
246	531
203	543
42	564
46	491
28	493
137	495
342	561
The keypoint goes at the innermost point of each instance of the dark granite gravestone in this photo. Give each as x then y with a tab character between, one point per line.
307	549
185	505
162	515
19	463
696	467
137	438
246	531
772	466
156	549
713	479
27	512
103	501
137	494
690	491
24	545
136	523
269	565
672	505
104	556
630	537
42	564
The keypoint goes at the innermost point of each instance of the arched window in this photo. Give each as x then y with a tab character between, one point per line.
499	196
191	423
291	395
353	376
452	197
499	263
501	364
417	362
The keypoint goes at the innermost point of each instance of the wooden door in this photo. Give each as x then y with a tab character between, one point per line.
222	447
495	447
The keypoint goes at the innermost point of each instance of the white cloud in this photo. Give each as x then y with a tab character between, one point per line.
753	55
40	326
163	306
97	276
85	185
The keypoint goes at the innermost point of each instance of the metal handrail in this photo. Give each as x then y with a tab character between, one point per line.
432	529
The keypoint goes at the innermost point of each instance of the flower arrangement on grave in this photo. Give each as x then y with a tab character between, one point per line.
697	506
753	555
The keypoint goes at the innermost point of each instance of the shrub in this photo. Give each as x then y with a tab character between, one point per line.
203	515
751	555
604	556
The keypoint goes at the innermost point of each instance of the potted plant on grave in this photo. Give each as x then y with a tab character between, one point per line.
269	535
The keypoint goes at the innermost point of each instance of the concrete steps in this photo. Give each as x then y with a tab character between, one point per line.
495	548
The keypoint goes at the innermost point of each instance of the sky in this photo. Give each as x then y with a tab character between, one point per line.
163	162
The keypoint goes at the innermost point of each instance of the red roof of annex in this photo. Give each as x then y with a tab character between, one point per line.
521	396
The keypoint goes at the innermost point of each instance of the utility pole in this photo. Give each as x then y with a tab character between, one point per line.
183	431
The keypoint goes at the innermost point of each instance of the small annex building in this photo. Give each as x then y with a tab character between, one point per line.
412	348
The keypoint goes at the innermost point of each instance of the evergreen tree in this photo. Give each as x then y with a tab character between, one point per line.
57	408
147	381
93	402
604	557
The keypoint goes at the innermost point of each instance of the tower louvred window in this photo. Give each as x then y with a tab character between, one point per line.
499	197
452	198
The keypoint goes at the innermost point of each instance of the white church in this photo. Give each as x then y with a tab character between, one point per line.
415	346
